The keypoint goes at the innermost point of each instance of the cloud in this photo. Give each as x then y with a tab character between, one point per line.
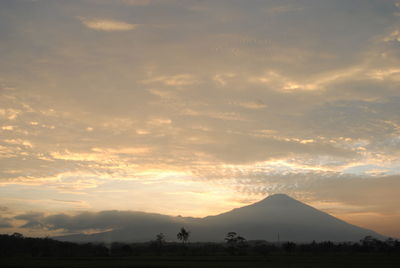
99	221
5	222
283	9
271	101
238	148
124	2
251	105
107	24
287	84
393	36
136	2
33	220
4	208
173	80
392	73
370	194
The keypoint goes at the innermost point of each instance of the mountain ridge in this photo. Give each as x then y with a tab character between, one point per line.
263	220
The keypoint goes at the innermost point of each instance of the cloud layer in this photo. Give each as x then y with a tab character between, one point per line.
216	102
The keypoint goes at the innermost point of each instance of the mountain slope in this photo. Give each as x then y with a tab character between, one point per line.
276	216
283	216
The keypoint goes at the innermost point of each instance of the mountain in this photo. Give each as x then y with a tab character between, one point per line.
278	217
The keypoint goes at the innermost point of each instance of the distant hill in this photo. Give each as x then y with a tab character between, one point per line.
276	217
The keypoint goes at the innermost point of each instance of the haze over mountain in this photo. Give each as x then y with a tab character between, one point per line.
276	215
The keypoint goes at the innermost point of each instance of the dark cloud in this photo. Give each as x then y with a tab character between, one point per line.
5	222
103	220
33	220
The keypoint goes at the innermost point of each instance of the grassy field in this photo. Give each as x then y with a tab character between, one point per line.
295	261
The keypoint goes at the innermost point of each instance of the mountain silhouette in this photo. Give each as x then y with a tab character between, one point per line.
278	217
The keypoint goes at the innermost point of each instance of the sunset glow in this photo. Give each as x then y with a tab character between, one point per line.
194	108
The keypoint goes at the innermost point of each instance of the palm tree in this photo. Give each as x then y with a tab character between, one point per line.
183	235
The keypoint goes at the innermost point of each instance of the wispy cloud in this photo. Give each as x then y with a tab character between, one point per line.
173	80
136	2
106	103
107	25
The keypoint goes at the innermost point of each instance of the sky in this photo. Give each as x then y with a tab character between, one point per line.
196	107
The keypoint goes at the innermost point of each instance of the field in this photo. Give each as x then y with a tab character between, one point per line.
276	260
18	251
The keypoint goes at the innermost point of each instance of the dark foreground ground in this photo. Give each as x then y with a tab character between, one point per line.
19	251
363	260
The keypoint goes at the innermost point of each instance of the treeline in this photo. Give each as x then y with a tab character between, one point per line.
17	245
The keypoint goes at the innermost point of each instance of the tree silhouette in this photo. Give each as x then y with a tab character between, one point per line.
158	244
289	247
236	243
17	235
231	238
160	239
23	248
183	235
